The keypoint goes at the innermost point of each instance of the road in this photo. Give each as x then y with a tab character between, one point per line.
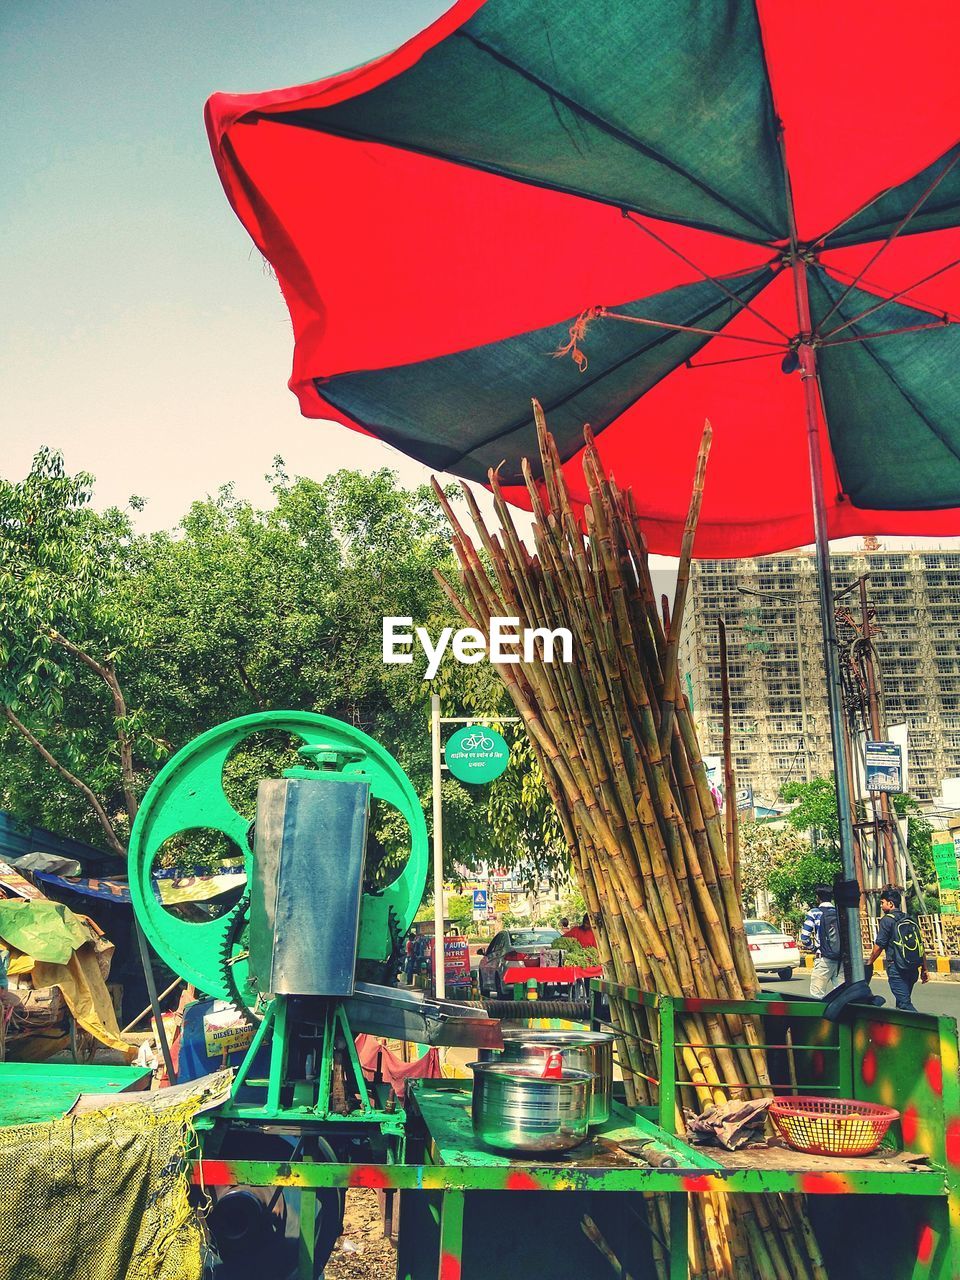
934	997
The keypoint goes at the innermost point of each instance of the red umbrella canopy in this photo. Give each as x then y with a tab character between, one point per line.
624	209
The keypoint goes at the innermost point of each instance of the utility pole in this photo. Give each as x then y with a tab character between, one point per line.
878	733
857	846
439	974
437	721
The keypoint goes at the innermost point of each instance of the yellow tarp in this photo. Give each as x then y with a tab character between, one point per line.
85	992
58	948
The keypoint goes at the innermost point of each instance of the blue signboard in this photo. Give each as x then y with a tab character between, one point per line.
884	766
479	899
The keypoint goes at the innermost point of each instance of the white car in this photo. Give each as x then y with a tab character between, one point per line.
770	950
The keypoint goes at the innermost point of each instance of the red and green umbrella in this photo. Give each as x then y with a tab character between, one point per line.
741	209
644	213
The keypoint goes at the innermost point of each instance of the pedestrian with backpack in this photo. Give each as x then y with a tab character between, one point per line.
899	938
820	936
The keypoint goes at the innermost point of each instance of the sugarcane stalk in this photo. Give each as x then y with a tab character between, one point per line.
619	755
683	582
729	774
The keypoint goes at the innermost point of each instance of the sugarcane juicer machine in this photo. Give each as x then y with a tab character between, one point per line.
307	953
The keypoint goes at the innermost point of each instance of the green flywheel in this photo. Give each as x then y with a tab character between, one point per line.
188	794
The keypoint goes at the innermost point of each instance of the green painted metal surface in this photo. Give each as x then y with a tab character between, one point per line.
308	1103
446	1114
558	1177
900	1065
33	1092
188	794
449	1228
917	1241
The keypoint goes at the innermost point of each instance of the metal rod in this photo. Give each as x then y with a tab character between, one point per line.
890	333
480	720
154	1000
689	328
149	1009
917	205
857	847
878	306
853	960
439	976
910	867
707	364
729	774
706	275
753	1048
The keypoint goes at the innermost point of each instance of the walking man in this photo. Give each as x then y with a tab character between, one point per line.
820	936
899	937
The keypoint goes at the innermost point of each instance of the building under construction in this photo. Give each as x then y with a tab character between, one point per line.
778	701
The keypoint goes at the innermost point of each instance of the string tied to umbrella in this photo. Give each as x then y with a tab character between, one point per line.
578	331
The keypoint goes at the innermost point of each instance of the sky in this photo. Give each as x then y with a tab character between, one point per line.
142	334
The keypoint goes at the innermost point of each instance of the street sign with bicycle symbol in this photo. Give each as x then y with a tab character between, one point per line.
477	755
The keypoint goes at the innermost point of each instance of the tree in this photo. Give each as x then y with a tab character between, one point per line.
816	809
65	629
793	883
119	649
920	848
766	851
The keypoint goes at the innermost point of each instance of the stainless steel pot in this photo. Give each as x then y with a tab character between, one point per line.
516	1109
590	1051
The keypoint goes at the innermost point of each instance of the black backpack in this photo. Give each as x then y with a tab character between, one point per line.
829	934
906	943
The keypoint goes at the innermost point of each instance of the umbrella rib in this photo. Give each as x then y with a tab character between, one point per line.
893	298
517	424
686	328
917	205
708	364
884	368
889	333
632	218
621	135
822	240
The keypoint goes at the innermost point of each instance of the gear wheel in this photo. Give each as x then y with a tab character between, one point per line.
228	961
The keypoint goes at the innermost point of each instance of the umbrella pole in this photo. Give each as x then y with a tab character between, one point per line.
853	970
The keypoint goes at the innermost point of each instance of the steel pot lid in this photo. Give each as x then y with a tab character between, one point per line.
518	1071
561	1038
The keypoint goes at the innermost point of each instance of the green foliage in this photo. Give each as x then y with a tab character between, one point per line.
575	952
571	907
235	611
765	851
792	884
460	911
66	626
517	807
920	847
816	809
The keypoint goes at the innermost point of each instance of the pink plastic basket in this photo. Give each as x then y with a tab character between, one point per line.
831	1126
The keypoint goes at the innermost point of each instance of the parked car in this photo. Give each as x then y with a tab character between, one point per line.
507	950
770	950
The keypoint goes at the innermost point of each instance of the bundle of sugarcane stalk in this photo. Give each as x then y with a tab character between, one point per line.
619	753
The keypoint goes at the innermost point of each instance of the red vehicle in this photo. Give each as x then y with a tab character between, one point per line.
511	949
